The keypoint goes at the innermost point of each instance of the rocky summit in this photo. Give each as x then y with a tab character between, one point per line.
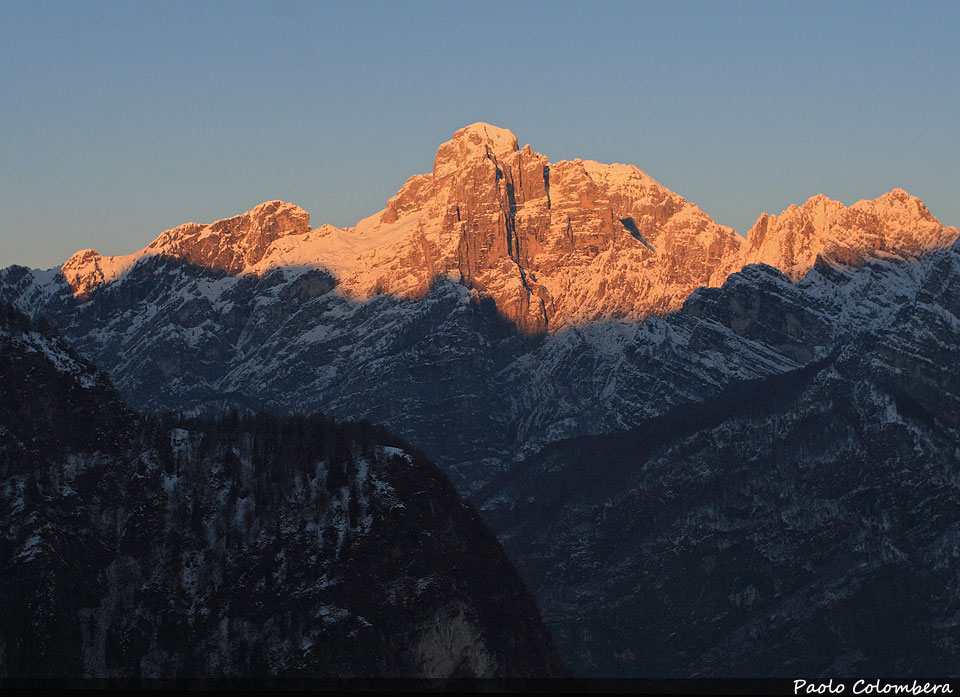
553	245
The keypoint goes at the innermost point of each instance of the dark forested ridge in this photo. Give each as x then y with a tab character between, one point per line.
245	546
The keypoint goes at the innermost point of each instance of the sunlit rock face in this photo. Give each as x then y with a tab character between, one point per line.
232	246
552	244
235	244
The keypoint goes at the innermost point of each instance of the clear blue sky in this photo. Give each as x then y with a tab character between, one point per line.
121	119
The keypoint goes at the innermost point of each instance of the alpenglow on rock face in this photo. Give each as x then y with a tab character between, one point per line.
895	224
551	244
233	245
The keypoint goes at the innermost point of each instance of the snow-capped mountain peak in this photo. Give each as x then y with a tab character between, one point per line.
552	244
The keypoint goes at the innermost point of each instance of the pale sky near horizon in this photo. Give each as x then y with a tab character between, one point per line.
120	120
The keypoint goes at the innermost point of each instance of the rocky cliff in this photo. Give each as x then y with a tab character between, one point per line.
895	225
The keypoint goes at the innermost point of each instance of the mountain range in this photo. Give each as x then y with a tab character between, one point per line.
517	286
706	454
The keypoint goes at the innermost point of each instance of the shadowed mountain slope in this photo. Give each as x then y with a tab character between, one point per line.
803	523
241	547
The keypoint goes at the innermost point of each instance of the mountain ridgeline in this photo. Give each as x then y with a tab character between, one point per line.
706	455
495	305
